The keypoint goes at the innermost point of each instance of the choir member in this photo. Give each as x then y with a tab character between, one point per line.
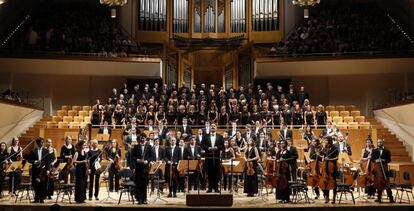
80	160
185	128
321	117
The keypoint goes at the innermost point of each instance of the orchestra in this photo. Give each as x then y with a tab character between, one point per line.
277	160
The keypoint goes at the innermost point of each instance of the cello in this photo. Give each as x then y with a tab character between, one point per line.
314	166
327	180
366	177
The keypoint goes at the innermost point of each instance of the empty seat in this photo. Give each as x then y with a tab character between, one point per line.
359	119
341	125
87	119
67	119
51	124
78	119
56	119
350	108
86	108
83	113
62	113
329	119
348	119
355	113
72	113
344	113
63	125
337	119
74	125
353	125
76	108
340	108
90	113
66	107
364	125
84	124
330	108
334	113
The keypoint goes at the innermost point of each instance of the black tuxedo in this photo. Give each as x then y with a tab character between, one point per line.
128	140
186	130
171	155
348	148
245	135
293	163
262	146
198	140
212	159
141	169
188	155
205	131
161	153
39	172
101	130
286	135
386	157
230	132
332	131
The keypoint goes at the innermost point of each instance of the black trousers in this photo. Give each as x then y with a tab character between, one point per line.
50	187
93	182
326	194
141	182
172	179
1	183
193	181
113	175
39	186
389	193
14	180
213	173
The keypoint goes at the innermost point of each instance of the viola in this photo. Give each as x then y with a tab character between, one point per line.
250	168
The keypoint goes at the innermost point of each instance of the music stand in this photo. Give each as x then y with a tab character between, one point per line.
12	168
153	170
231	164
105	168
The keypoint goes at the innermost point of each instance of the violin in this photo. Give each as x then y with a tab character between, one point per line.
250	168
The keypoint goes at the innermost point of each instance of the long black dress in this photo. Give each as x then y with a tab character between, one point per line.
251	182
80	179
283	194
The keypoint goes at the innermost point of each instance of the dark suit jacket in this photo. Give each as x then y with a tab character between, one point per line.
161	153
187	130
386	155
245	135
289	134
348	146
294	155
206	143
205	131
198	140
189	155
101	130
45	160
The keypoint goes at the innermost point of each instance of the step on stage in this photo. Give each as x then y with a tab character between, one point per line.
239	201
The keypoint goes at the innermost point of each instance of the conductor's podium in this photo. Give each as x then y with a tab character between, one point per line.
209	199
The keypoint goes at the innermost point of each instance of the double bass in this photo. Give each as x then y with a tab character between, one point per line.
327	181
381	180
366	177
314	169
282	172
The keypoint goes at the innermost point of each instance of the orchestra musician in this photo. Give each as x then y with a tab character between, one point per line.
192	152
80	161
329	130
132	136
343	145
212	144
250	169
180	156
293	158
40	169
248	132
53	160
171	167
185	128
262	144
227	155
15	154
3	165
142	156
94	156
366	157
282	190
66	154
158	156
330	155
114	156
285	133
382	156
315	156
105	129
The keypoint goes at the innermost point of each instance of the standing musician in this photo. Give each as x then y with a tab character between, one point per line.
285	133
40	169
382	156
142	155
343	145
293	158
114	156
228	155
192	152
158	156
3	165
94	156
171	168
53	160
262	144
367	161
15	154
180	156
315	156
212	144
283	158
328	180
250	169
66	154
80	160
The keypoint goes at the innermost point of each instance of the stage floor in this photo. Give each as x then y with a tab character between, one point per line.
240	201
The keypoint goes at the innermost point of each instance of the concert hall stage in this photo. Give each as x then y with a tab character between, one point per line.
240	201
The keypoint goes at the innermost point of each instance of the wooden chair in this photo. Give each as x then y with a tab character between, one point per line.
90	113
83	113
56	118
342	125
329	119
350	108
67	119
63	125
355	113
62	113
72	113
334	113
348	119
360	119
84	124
51	124
344	113
78	119
337	119
87	119
353	125
340	108
364	125
74	125
330	108
76	108
86	108
66	107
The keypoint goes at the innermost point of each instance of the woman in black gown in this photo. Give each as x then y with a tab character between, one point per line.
283	194
80	159
251	181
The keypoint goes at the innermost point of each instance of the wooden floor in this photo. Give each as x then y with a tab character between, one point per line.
240	201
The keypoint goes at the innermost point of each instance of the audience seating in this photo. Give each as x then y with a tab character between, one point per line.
74	125
348	119
337	119
334	113
62	113
330	108
57	119
86	108
78	119
63	125
83	113
76	108
340	108
364	125
66	107
353	125
67	119
344	113
72	113
51	125
350	107
355	113
360	119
